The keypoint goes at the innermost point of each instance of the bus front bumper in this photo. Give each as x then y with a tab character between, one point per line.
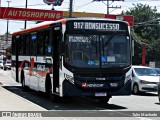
70	89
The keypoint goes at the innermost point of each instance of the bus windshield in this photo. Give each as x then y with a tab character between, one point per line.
97	51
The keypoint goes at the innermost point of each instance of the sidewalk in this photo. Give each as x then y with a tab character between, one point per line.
10	101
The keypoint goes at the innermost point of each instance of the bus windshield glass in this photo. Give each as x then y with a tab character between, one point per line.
97	51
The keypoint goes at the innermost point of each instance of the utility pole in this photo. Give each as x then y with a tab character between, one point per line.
25	22
7	27
70	8
108	5
0	6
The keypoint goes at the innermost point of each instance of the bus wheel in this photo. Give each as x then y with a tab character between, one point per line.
24	87
104	100
52	97
135	89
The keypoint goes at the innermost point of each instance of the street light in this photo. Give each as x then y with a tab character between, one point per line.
7	26
25	23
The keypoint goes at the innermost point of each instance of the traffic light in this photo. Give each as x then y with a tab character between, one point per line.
58	2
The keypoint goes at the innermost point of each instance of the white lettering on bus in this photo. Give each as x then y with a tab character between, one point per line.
78	25
96	26
78	39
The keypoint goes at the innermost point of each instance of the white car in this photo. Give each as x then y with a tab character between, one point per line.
7	65
158	91
1	64
144	79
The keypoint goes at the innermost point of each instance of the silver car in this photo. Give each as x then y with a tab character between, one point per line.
158	71
7	65
144	79
1	64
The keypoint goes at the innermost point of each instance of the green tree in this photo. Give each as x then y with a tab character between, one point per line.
147	28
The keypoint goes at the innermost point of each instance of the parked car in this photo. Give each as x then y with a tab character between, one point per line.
158	90
157	70
144	79
7	65
1	64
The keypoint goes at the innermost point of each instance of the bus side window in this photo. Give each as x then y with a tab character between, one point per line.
33	44
27	38
48	43
13	46
23	49
20	45
40	44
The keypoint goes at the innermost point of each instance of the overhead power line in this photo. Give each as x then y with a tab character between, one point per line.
13	21
135	37
141	23
80	6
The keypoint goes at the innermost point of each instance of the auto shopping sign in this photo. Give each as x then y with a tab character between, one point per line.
30	14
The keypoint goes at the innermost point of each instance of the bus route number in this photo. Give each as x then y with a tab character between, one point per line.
96	26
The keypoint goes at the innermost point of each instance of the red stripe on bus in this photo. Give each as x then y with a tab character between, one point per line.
41	73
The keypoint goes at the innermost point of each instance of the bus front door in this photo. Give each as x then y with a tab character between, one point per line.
57	37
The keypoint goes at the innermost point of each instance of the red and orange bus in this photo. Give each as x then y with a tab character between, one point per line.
74	57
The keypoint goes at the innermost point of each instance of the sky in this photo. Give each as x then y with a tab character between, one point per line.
78	6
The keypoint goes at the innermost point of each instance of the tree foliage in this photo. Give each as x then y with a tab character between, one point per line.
147	28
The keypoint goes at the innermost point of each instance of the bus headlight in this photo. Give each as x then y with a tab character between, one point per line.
128	77
70	78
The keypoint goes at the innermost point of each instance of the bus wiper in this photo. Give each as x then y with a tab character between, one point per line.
109	40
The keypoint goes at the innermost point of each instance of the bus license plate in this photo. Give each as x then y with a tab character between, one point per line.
100	94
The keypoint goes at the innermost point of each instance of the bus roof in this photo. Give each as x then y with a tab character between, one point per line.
38	26
47	24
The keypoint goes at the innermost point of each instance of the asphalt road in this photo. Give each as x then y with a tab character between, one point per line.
119	106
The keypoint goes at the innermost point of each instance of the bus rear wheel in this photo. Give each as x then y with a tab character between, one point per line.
24	87
52	97
104	100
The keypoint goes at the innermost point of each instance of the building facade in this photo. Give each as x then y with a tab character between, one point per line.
4	42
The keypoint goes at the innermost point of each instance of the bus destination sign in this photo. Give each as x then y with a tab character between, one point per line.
96	26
